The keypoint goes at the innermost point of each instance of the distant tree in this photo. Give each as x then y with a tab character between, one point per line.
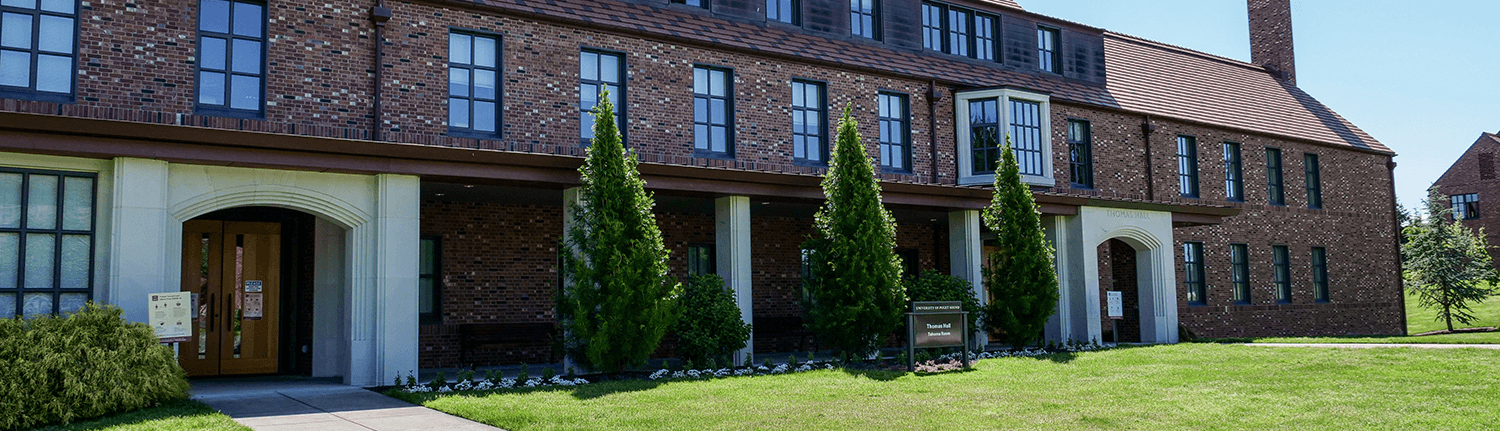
1446	264
854	297
618	301
1020	275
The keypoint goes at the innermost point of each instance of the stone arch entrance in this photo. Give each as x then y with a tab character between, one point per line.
1143	239
1117	272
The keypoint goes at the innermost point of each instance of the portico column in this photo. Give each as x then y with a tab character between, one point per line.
397	250
732	257
138	250
966	258
571	197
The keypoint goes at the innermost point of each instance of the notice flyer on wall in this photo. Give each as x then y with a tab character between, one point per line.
171	316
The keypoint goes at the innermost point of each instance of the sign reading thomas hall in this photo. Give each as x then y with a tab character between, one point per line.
937	324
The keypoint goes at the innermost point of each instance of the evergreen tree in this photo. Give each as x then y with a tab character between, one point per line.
855	296
1447	265
618	301
1020	275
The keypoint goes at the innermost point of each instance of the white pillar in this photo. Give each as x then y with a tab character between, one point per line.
138	249
396	248
1072	260
571	197
330	347
966	258
732	257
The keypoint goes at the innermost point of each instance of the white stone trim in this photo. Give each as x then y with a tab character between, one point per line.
732	255
961	127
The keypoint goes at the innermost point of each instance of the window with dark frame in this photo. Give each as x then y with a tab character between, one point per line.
787	11
1314	181
1234	173
958	31
895	132
864	18
1026	135
1081	154
701	260
809	117
37	49
984	37
429	281
713	112
1274	191
984	135
1320	274
1187	166
932	27
698	3
1281	273
1465	206
1047	49
1192	268
1239	273
46	241
231	58
473	84
599	71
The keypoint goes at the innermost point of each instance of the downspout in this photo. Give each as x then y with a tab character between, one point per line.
932	100
379	15
1396	241
1146	129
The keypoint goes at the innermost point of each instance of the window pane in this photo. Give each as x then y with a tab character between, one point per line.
609	68
458	82
211	88
10	200
484	52
71	302
15	31
586	125
54	73
459	48
719	138
64	6
700	137
588	66
28	4
458	113
15	68
424	295
75	262
588	96
37	303
56	34
211	53
717	111
700	110
41	201
429	249
78	210
247	19
700	81
484	84
41	251
7	305
246	56
10	260
484	116
215	16
716	83
245	92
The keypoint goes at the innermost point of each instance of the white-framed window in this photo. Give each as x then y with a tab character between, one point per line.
985	118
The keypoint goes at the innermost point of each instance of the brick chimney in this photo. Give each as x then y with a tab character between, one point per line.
1271	38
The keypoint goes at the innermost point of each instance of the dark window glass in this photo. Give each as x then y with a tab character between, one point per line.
429	281
984	37
1274	192
911	264
37	49
1234	173
231	49
809	143
46	241
984	135
1239	272
1320	274
1187	166
958	32
713	112
698	3
701	260
1465	206
1026	135
1281	273
895	132
786	11
1046	50
473	84
1314	181
598	72
1081	153
932	26
864	18
1192	268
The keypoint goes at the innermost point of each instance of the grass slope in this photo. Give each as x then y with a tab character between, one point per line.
1194	386
176	415
1419	320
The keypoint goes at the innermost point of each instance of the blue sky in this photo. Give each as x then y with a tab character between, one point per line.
1423	77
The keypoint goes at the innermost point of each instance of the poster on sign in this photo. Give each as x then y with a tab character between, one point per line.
1116	305
170	316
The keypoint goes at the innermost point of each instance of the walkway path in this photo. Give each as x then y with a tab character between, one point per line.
295	404
1375	345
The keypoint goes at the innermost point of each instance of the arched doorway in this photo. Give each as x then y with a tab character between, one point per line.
1118	272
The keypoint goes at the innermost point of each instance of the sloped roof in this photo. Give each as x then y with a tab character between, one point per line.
1169	81
1006	3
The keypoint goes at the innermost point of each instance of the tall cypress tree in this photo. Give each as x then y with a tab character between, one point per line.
1020	275
855	296
619	301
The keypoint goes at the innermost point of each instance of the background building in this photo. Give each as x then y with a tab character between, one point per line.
1469	183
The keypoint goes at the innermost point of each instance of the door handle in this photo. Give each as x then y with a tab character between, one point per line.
211	312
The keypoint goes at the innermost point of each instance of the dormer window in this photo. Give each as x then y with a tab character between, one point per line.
987	117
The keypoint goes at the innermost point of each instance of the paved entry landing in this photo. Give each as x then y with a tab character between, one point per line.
298	404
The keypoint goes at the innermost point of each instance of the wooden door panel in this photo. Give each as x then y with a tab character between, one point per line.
200	275
252	257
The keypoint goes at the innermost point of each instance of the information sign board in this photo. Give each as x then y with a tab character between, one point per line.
170	316
1116	305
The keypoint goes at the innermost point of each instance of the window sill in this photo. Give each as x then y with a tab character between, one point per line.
1197	304
705	154
37	96
214	111
809	163
984	179
466	133
894	171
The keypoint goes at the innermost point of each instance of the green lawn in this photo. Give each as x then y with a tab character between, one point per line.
176	415
1419	320
1185	386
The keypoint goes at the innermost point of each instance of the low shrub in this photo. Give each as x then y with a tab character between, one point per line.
83	365
710	325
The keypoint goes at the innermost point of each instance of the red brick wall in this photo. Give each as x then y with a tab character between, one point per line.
1474	172
1117	271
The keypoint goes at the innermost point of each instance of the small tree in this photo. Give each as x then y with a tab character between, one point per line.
854	296
618	301
1447	265
1020	275
710	325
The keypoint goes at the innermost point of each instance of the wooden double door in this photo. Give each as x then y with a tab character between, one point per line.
233	270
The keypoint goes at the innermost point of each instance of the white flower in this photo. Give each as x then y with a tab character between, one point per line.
723	372
804	367
762	368
534	382
693	373
678	374
445	389
782	368
580	381
485	385
656	375
507	383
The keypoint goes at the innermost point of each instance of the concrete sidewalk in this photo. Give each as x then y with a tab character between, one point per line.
299	404
1378	346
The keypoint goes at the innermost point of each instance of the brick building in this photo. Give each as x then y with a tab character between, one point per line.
382	177
1470	182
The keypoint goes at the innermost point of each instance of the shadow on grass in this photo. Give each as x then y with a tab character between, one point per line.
877	375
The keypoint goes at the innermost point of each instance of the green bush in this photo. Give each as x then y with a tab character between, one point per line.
710	323
88	364
936	286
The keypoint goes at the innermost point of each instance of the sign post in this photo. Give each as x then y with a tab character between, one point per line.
171	316
932	324
1116	312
